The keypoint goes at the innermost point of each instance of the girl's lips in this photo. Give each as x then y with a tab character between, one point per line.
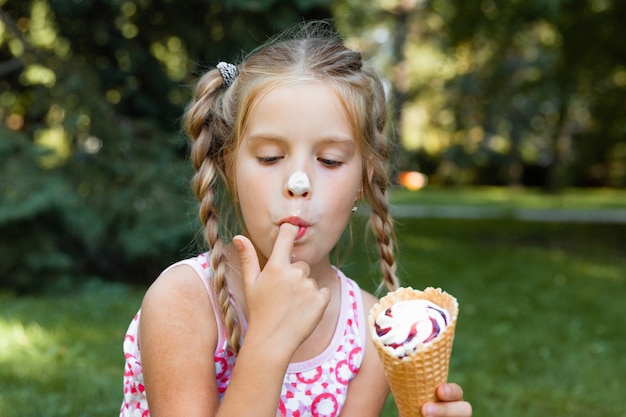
296	221
301	232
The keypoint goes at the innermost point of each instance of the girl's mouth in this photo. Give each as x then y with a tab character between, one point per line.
301	232
296	221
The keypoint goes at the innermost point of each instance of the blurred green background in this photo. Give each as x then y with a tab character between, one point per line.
514	110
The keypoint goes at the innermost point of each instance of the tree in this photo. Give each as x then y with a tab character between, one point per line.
548	78
515	92
93	165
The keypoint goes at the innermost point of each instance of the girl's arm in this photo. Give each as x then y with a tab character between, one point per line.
177	339
178	336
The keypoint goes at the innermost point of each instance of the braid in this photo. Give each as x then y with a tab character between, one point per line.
380	222
209	131
220	283
382	226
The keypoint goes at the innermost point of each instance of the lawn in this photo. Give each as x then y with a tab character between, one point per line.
541	328
514	198
61	355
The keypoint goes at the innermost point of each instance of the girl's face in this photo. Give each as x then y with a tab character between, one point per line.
298	127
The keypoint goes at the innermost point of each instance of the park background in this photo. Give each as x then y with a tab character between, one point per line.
513	110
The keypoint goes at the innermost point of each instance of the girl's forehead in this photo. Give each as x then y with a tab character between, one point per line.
291	106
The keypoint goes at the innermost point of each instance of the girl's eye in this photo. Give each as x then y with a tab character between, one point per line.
269	160
330	163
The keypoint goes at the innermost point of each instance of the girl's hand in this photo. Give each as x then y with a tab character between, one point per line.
283	303
451	405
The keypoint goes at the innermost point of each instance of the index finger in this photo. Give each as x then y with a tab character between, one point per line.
284	243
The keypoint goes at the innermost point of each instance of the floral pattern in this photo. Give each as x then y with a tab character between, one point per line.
314	388
321	389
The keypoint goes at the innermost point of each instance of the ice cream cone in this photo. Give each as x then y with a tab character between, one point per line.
413	379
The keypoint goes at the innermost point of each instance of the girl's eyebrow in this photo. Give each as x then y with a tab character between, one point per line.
264	137
329	140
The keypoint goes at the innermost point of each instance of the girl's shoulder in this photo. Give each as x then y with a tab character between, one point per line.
199	264
184	283
369	300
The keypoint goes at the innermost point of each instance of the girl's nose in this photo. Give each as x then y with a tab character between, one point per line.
298	184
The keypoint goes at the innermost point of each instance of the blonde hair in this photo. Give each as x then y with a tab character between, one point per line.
216	117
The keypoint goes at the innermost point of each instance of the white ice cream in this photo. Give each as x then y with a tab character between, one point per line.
298	183
407	324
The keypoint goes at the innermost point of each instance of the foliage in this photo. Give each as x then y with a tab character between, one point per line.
542	81
538	331
93	165
510	92
93	177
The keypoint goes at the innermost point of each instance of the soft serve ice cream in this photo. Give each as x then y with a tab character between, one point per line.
407	324
413	333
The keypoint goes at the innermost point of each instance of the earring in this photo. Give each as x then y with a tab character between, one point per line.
355	209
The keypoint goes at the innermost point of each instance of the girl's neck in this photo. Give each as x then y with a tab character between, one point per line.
325	275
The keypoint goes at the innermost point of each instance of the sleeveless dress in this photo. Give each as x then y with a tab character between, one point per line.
316	387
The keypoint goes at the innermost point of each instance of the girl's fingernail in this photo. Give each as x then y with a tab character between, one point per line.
428	409
238	244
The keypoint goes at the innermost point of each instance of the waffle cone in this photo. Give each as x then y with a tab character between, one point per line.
414	379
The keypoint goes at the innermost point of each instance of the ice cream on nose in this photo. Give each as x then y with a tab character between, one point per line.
298	183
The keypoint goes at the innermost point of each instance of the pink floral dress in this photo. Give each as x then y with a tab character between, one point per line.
316	387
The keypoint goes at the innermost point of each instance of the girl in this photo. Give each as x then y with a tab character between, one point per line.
292	140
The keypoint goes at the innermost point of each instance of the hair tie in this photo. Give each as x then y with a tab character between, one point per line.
229	73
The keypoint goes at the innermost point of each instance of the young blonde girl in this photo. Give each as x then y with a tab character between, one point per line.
286	146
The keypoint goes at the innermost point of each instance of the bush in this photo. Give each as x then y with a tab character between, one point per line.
119	218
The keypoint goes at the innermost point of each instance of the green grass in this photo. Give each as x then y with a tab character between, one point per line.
507	198
61	355
541	328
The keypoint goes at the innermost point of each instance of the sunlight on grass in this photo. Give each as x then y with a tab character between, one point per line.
64	351
26	344
539	334
601	271
505	197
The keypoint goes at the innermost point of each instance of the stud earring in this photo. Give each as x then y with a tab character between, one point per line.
355	209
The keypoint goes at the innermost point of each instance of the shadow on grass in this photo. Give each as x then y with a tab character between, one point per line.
541	310
540	329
